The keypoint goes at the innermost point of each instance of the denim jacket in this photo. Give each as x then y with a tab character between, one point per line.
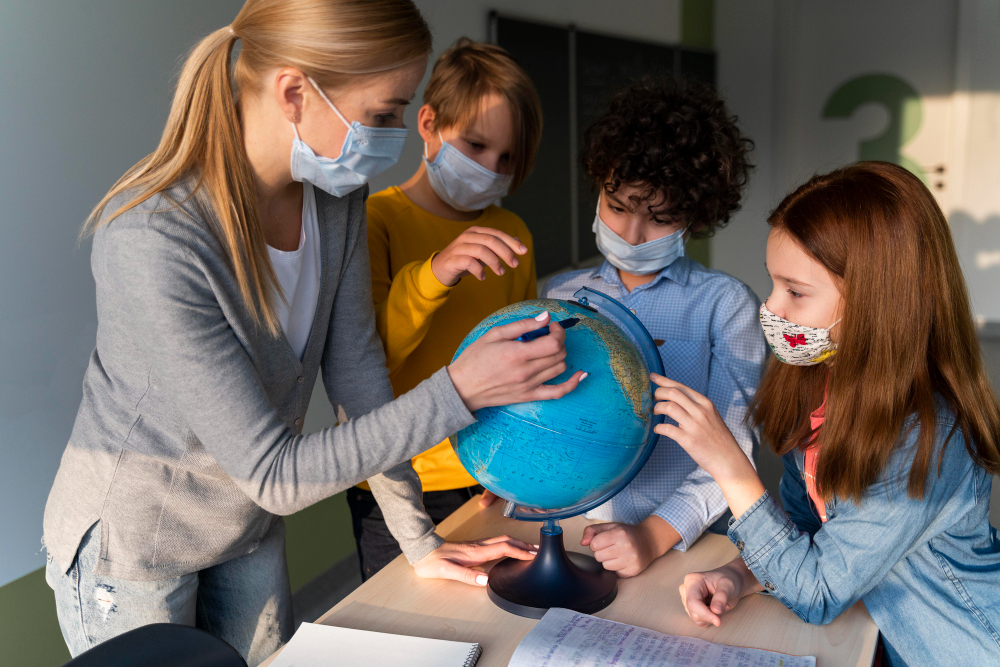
927	570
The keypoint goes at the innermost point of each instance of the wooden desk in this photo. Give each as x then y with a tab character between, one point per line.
397	601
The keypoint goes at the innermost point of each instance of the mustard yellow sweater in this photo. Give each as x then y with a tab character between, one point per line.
422	322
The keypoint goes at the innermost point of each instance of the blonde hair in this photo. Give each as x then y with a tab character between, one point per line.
465	74
332	41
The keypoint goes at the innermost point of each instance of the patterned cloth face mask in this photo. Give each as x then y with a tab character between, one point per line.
796	344
366	153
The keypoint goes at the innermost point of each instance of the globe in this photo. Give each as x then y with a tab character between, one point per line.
572	451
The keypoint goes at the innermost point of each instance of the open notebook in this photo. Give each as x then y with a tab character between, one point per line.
563	638
316	645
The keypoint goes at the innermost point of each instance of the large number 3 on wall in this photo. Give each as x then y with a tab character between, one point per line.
906	114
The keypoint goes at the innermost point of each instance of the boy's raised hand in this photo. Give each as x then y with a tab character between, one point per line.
473	251
628	550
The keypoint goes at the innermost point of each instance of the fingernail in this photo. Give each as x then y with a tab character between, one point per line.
533	553
584	377
524	248
482	579
501	270
541	316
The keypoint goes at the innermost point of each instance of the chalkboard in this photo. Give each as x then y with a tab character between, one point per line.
542	201
575	71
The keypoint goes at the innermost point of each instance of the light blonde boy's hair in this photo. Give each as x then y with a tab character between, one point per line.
465	74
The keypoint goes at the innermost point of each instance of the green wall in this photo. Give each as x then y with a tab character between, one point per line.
318	537
29	631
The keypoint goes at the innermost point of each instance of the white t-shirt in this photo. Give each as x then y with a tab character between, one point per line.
298	275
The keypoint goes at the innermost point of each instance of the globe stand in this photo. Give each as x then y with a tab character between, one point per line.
554	578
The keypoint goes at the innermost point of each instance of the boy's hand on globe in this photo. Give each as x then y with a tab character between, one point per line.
455	560
708	595
628	550
496	369
473	251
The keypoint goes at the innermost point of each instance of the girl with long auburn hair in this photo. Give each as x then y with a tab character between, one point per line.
232	268
877	399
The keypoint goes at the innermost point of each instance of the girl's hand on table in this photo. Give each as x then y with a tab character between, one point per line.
709	595
702	433
455	560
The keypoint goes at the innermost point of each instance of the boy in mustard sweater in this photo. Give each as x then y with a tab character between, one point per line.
481	123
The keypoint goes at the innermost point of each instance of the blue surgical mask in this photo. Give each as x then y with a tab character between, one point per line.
463	183
366	153
641	259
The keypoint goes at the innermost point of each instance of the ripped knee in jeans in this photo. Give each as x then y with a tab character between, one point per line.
104	595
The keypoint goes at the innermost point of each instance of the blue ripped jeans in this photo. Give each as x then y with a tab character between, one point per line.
246	601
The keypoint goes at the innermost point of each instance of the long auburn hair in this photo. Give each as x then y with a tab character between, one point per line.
332	41
906	334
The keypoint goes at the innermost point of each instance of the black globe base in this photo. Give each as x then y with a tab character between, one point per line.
554	578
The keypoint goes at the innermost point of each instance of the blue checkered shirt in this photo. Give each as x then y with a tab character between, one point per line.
712	342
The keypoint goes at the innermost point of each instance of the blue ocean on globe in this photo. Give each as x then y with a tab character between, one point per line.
556	454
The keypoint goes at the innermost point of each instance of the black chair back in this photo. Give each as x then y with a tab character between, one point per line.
161	645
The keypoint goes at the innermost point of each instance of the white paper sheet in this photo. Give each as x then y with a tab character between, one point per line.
329	646
565	638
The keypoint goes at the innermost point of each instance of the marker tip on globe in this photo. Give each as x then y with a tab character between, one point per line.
544	331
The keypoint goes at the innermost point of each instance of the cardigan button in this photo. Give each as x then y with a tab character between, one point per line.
301	379
740	545
298	421
768	585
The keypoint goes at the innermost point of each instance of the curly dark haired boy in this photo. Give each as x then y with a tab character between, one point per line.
670	163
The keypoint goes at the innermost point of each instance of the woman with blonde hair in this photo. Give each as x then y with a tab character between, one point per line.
231	268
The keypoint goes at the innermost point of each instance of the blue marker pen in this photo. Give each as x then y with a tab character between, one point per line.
544	331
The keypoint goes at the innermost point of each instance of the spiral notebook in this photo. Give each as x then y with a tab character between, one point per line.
565	638
315	645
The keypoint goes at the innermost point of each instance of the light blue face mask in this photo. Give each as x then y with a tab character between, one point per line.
366	153
642	259
463	183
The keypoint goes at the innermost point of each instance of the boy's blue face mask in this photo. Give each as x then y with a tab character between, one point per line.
463	183
642	259
366	153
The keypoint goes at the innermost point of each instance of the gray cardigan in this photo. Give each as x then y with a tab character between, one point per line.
187	442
